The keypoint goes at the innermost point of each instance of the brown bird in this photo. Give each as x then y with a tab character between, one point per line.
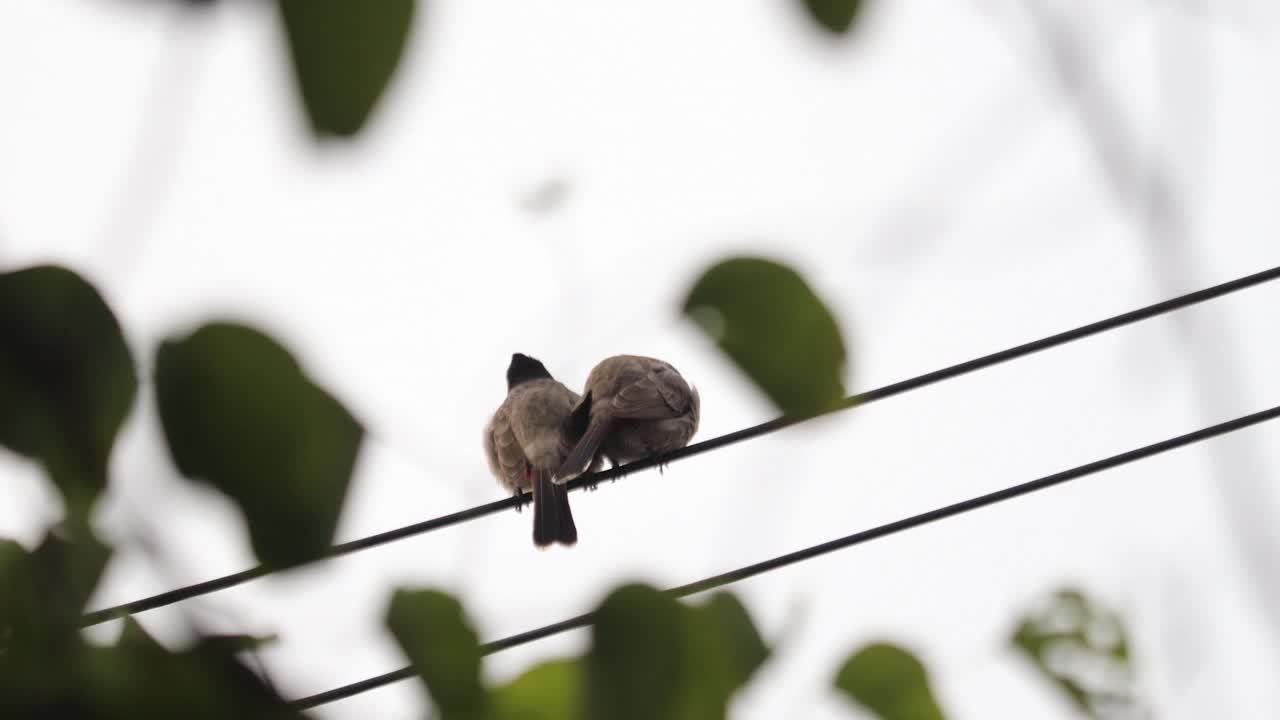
528	437
634	407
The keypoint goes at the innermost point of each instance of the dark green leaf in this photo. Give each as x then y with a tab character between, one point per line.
140	679
771	324
433	631
19	593
42	594
239	414
31	643
46	671
67	571
653	657
238	643
67	379
890	682
550	691
1083	649
834	15
344	54
134	637
724	650
725	624
637	661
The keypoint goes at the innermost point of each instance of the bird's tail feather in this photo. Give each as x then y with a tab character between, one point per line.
552	518
584	451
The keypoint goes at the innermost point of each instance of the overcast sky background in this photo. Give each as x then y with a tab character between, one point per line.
928	175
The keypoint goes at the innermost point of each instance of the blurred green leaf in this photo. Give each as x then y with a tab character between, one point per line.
652	657
724	650
42	594
67	379
636	664
1082	648
834	15
344	54
725	624
433	631
33	646
239	414
47	671
67	571
772	325
890	682
239	643
550	691
140	679
135	637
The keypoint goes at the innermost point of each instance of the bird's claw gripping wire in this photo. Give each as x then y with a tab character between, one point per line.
522	499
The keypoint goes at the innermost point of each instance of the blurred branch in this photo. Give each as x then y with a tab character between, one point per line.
987	143
1159	207
163	121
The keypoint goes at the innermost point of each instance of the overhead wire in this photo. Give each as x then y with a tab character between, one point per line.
591	479
813	551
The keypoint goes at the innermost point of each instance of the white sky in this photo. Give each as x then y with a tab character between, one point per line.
927	176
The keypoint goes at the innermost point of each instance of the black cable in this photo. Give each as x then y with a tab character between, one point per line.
808	553
208	586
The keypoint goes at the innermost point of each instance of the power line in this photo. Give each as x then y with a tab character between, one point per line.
811	552
202	588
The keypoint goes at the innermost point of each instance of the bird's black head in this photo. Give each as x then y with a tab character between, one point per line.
524	368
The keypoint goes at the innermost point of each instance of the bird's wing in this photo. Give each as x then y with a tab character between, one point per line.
506	458
659	392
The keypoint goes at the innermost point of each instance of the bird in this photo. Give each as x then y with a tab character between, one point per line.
528	437
633	407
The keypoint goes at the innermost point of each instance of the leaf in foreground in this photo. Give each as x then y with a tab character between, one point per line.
890	682
240	414
432	629
67	379
772	325
1083	649
344	53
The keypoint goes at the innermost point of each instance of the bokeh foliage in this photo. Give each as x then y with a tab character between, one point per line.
650	657
236	410
774	327
889	682
66	379
239	413
836	16
1082	647
344	54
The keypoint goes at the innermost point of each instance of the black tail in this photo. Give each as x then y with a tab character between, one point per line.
552	518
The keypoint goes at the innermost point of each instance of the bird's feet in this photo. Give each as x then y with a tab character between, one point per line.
522	499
